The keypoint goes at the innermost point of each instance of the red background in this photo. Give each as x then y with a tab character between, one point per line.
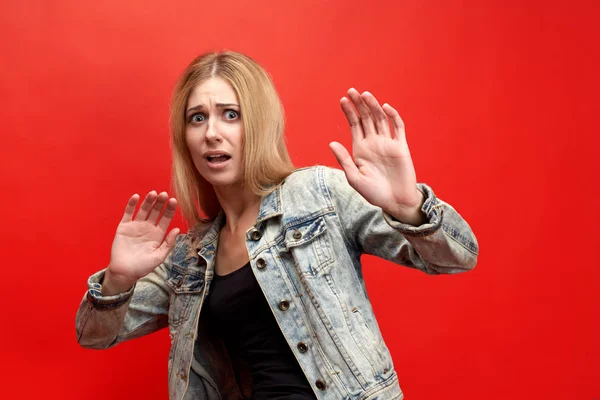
500	100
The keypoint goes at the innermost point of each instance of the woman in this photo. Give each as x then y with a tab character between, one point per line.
264	298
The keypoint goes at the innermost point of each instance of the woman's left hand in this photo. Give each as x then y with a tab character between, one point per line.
380	168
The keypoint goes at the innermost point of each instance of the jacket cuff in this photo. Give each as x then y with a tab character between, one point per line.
94	294
432	208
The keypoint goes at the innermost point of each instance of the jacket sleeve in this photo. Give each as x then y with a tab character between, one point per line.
104	321
444	244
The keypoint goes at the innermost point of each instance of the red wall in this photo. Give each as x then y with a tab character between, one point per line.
500	100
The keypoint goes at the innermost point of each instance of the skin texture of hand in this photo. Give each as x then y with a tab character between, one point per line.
141	242
380	168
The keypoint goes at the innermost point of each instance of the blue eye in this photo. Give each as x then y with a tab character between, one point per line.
231	114
197	118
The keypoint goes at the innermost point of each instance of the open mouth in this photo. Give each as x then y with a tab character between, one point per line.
217	159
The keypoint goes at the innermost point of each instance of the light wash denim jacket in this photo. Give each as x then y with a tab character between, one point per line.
305	251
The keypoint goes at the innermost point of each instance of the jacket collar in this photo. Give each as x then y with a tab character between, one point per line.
271	205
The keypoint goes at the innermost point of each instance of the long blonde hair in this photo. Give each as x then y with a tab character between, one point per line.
266	159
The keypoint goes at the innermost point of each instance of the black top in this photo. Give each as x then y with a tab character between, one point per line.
241	316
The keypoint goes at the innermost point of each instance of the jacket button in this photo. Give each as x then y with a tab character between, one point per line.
261	263
255	235
179	282
320	384
284	305
297	235
303	348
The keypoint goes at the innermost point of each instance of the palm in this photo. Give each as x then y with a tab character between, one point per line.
380	167
142	243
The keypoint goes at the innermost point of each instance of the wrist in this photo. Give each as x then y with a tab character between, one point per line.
410	213
113	284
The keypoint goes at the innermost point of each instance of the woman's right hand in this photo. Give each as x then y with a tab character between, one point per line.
141	242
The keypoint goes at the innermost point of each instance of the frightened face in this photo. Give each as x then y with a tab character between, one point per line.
214	132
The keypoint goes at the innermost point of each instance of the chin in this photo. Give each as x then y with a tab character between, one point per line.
222	181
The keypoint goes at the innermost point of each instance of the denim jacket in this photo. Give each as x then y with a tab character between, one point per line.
304	250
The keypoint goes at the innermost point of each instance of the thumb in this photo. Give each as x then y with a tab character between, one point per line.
345	160
169	241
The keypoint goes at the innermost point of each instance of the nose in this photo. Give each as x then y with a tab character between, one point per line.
212	133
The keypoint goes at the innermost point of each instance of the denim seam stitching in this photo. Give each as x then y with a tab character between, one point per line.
464	246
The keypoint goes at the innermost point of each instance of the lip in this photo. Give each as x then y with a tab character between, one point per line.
220	165
216	166
215	153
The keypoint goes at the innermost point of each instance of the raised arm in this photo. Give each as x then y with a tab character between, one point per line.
384	211
130	298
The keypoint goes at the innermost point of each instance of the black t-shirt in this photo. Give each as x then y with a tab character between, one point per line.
241	316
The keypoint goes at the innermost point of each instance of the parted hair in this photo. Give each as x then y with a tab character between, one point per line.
266	160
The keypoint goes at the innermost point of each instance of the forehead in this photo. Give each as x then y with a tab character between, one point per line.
211	91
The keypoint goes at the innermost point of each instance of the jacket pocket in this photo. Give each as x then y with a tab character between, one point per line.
370	344
184	287
309	246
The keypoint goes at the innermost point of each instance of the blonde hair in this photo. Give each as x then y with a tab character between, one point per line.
266	159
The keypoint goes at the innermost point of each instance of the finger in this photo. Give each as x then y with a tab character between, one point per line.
158	206
397	123
345	160
146	206
169	241
366	119
130	208
168	214
353	120
379	116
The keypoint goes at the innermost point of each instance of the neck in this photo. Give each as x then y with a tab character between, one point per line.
240	206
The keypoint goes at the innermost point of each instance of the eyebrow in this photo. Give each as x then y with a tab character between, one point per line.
219	105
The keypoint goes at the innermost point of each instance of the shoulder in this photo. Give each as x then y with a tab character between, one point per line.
312	191
316	177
